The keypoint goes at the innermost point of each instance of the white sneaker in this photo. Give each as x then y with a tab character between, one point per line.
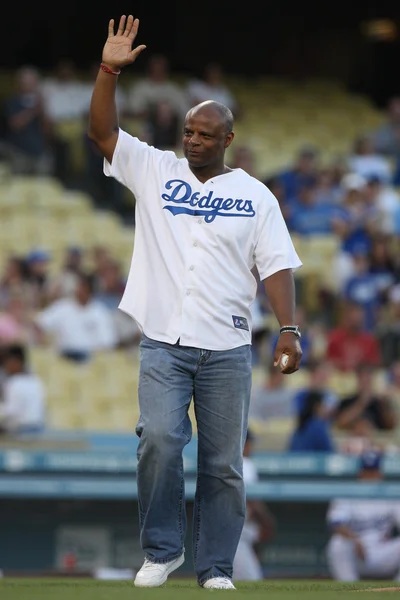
219	583
154	574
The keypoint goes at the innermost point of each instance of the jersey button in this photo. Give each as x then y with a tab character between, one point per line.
194	243
191	267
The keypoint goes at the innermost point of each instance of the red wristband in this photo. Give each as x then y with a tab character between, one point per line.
108	70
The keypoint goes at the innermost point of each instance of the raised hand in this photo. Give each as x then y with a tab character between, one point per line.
117	51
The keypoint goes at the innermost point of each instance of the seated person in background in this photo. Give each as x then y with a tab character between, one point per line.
366	161
212	87
350	344
272	399
162	126
307	217
259	525
319	374
312	433
22	409
388	329
359	438
154	87
302	173
386	138
27	137
362	543
80	324
365	403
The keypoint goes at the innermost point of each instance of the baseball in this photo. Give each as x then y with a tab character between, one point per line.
284	360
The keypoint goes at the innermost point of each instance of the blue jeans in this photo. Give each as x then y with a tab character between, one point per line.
220	384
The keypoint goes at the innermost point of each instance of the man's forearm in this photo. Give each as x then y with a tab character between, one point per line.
103	116
280	290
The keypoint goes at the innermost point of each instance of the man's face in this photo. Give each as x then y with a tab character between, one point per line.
205	137
11	365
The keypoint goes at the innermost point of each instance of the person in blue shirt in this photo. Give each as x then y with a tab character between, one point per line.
308	218
312	433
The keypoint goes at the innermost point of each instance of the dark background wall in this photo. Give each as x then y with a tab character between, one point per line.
280	37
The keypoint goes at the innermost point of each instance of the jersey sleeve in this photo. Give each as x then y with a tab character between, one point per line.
274	249
133	162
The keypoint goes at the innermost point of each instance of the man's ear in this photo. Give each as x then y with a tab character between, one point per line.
229	139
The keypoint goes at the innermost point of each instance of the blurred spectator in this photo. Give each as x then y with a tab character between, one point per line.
22	409
212	87
163	126
37	263
101	258
307	217
360	218
388	330
386	199
14	280
155	87
27	137
259	526
110	285
382	263
79	326
277	187
358	438
107	192
349	345
319	376
272	398
64	283
327	190
362	543
387	136
243	157
15	322
362	289
109	291
392	387
367	162
313	431
366	404
303	173
63	93
66	100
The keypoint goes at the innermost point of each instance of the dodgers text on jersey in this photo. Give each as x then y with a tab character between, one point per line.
185	201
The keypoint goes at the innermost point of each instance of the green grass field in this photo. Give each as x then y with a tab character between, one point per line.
176	589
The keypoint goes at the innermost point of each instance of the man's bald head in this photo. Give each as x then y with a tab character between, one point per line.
207	133
211	108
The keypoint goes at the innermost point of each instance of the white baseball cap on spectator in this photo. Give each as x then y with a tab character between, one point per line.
353	182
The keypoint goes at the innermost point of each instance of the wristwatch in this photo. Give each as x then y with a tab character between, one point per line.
291	329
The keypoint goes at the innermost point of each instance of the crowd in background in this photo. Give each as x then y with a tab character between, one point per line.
354	326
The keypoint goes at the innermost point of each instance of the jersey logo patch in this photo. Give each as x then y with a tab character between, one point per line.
209	206
240	322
